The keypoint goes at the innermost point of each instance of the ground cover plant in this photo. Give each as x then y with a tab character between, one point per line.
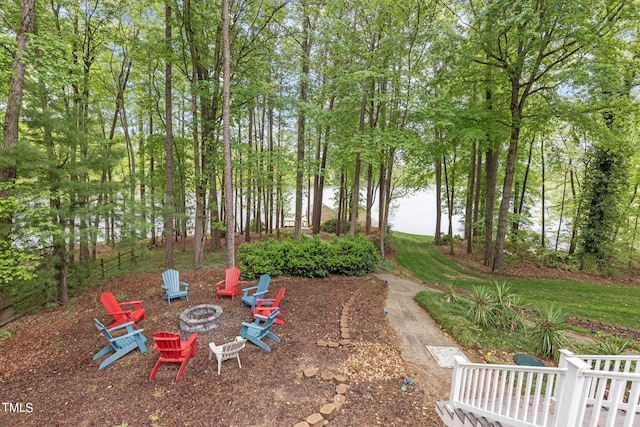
47	362
606	299
541	310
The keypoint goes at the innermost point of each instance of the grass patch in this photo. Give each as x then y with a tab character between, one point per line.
610	303
452	317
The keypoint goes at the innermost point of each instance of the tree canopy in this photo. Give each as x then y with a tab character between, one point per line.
129	121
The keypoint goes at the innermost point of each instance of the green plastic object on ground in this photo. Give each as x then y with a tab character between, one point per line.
526	360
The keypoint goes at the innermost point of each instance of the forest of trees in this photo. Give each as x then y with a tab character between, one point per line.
522	115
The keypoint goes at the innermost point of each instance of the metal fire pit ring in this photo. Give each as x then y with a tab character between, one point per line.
201	318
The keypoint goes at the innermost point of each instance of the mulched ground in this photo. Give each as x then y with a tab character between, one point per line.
47	372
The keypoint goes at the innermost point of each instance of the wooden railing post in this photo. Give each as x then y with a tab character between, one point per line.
564	355
456	380
572	396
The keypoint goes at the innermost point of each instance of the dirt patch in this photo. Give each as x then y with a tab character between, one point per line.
48	375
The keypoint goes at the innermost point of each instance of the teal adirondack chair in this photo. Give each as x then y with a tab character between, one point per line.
259	291
121	344
259	329
173	287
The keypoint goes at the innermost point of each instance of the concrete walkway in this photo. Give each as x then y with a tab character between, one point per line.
417	330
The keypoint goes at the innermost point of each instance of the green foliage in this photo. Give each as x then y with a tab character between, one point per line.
308	257
482	308
450	294
611	345
561	260
508	311
331	227
547	337
603	196
450	316
418	255
4	334
19	248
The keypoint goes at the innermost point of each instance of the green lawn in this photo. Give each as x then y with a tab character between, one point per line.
617	304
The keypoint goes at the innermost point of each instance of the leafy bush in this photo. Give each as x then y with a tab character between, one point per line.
308	257
331	226
561	260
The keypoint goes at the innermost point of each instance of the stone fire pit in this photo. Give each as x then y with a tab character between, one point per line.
201	318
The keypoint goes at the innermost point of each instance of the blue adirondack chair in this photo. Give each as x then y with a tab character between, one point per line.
173	286
121	344
250	295
259	329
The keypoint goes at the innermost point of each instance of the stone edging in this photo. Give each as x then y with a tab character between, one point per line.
329	410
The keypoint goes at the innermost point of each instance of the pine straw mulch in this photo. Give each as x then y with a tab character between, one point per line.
47	362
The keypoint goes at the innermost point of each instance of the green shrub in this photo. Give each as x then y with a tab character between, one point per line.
562	260
331	226
308	257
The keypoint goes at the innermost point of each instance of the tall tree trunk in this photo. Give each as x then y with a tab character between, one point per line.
270	209
169	203
9	172
385	197
562	203
576	218
543	195
518	202
341	204
370	198
450	189
491	175
355	190
319	188
438	234
198	74
226	136
478	191
516	118
468	211
248	189
303	94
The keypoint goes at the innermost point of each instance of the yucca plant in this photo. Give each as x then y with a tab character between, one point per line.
547	337
611	345
508	312
450	294
482	306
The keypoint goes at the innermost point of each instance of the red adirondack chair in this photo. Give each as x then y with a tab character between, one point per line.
229	286
120	315
173	350
266	306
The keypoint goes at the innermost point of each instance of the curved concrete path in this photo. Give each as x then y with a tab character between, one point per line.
417	330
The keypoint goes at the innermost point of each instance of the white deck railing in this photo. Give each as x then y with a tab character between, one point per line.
584	390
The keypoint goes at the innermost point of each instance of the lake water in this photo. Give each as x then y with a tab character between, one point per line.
412	214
